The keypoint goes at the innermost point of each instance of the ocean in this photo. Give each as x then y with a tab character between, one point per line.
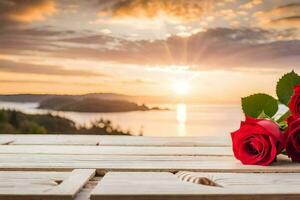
180	120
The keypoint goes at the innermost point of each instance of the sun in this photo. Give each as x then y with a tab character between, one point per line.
181	87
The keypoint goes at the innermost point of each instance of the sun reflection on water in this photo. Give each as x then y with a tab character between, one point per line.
181	119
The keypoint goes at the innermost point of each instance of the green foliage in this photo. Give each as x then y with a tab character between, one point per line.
7	128
265	106
283	125
30	127
54	124
14	119
3	116
285	85
102	127
257	104
13	122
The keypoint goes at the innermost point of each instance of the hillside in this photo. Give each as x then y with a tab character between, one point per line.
107	96
91	105
14	122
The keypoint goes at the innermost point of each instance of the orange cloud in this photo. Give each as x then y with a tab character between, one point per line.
27	11
286	22
282	16
180	10
218	48
251	4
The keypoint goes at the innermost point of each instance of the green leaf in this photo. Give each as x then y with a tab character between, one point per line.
285	86
257	104
283	125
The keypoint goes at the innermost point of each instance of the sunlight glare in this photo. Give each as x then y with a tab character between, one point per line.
181	119
181	87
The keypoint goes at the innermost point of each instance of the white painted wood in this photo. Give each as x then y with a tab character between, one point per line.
27	139
77	179
86	191
6	141
163	185
209	156
42	185
27	179
106	140
137	163
35	175
115	150
164	141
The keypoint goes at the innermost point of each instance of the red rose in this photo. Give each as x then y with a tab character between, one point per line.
292	144
294	103
257	142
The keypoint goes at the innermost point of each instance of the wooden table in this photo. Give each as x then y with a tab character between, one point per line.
130	167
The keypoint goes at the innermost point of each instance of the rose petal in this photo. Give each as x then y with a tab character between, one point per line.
257	141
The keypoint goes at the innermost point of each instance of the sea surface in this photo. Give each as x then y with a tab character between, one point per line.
179	120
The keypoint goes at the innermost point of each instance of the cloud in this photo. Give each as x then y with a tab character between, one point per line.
286	22
47	82
174	9
24	11
227	14
18	40
105	31
197	47
251	4
286	16
214	48
102	38
218	48
27	68
25	81
139	81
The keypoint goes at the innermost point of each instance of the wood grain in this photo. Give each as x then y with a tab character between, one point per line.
162	185
41	167
27	139
42	185
104	140
71	185
164	141
138	163
115	150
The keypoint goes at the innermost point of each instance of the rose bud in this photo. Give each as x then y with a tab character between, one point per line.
257	142
294	103
292	144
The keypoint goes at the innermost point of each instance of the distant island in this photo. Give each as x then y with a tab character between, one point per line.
92	105
36	98
92	102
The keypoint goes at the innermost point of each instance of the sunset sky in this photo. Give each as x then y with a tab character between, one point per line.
216	50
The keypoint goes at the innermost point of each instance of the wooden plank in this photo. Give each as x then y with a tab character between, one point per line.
37	180
139	163
106	140
20	185
27	139
6	141
167	186
115	150
38	175
86	191
77	179
164	141
43	185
